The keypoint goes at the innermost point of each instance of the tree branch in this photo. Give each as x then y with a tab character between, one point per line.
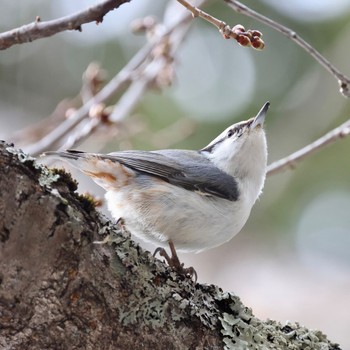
113	87
244	38
291	160
140	73
343	80
37	29
59	290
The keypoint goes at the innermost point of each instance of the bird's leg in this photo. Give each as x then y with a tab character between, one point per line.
174	261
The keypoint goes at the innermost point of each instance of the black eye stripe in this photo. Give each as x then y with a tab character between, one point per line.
236	130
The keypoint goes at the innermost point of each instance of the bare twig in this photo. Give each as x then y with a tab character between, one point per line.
244	38
343	80
140	72
113	87
83	131
144	77
34	132
37	29
290	161
93	79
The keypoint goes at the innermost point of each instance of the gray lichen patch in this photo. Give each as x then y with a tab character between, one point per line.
22	157
239	334
47	177
148	285
167	298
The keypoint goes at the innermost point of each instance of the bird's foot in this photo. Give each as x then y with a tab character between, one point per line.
174	262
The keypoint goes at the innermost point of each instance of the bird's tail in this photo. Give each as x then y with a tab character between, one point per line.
85	162
68	154
107	173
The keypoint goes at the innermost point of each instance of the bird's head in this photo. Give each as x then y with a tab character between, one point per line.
241	149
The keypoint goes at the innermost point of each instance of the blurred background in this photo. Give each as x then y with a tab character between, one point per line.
292	259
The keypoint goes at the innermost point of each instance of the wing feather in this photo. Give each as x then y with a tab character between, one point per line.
187	169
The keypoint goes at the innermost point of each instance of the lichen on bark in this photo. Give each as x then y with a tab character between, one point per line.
59	290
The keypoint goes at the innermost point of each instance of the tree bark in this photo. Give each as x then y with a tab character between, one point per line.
59	290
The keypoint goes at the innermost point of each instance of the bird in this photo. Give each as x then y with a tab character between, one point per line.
193	200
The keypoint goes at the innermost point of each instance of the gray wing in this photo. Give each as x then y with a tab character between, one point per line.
187	169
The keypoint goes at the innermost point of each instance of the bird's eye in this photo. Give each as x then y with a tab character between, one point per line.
230	133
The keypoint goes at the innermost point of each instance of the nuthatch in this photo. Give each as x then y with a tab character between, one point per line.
195	200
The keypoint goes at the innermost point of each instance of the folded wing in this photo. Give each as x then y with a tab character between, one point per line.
187	169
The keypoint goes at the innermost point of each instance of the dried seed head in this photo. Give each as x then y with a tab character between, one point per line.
256	33
238	28
257	43
243	40
141	25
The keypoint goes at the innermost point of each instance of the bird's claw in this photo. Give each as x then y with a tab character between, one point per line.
174	262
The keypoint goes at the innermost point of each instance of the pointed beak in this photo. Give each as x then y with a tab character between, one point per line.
260	117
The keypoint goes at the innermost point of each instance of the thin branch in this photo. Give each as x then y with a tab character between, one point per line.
83	130
93	79
139	73
143	78
113	87
291	160
244	38
37	29
121	110
343	80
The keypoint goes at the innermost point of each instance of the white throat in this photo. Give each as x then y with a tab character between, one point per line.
248	165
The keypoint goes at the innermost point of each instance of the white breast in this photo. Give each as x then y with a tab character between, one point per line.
158	211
